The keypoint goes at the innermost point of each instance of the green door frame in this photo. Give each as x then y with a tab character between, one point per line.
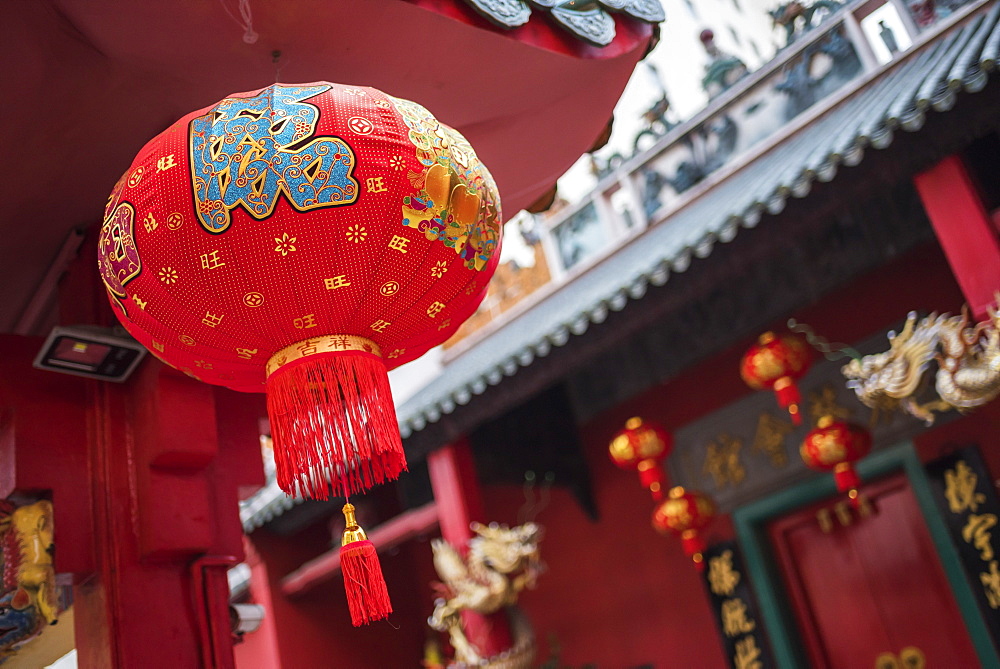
751	522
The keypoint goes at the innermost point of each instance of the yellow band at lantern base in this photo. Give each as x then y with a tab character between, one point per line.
321	344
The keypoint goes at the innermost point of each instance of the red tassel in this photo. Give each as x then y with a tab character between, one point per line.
367	595
694	546
333	422
789	397
846	477
651	478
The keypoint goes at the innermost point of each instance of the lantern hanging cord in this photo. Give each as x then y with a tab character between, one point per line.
245	20
831	352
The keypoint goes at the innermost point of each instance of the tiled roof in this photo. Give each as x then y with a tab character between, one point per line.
588	20
899	98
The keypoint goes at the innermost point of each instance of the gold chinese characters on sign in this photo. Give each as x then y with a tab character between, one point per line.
724	454
960	483
770	438
722	461
735	612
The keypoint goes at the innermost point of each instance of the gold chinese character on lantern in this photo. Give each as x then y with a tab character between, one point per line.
398	243
335	282
211	260
305	322
211	320
165	163
375	185
960	488
722	578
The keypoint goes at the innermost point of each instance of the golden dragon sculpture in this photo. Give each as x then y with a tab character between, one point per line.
501	562
968	366
28	600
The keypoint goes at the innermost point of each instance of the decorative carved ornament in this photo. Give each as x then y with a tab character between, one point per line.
501	562
968	366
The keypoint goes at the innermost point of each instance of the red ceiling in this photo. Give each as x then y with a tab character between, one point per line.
88	82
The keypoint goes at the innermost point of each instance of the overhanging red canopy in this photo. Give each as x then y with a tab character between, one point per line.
92	80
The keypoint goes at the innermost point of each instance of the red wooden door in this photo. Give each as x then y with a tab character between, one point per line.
866	594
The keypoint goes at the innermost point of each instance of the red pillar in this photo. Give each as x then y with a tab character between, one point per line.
964	229
144	478
459	502
166	525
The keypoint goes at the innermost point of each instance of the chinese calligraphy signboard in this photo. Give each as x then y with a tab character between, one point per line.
735	608
750	448
964	490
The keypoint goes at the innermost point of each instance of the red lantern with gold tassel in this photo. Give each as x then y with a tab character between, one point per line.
777	363
685	513
302	240
836	445
642	446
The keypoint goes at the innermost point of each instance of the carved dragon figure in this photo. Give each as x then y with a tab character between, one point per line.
27	595
787	16
500	564
968	366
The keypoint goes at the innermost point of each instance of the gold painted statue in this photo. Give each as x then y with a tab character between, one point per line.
968	366
28	599
500	564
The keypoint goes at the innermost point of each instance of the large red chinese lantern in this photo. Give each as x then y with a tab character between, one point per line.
642	446
777	362
303	240
836	445
685	513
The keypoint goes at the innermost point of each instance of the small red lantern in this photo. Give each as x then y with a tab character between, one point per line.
685	513
642	446
777	362
302	240
836	445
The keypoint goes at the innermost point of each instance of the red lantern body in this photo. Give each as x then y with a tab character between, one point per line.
776	363
304	240
685	513
835	445
642	446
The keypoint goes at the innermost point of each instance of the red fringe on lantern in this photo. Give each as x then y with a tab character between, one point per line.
333	424
367	595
